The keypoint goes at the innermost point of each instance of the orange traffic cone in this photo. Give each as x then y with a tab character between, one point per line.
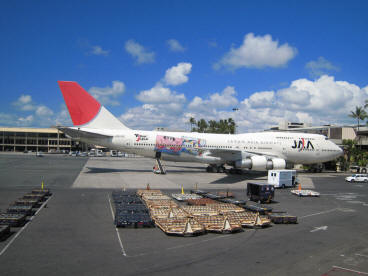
300	187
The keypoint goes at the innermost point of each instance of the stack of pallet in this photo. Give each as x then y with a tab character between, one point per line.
130	210
168	216
16	214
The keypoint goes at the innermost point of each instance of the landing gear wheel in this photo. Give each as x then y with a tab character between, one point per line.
220	169
211	169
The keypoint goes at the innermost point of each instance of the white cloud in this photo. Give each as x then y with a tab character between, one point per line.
178	74
138	52
321	101
160	94
257	52
107	95
225	99
44	111
320	67
25	103
25	121
175	46
262	99
98	51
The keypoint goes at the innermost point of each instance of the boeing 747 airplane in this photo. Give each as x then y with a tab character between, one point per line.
94	124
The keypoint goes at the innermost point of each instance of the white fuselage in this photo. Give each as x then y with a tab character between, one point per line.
300	148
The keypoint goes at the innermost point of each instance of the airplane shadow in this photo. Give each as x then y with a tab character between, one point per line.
234	178
108	170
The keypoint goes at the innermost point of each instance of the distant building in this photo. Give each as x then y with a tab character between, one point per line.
36	139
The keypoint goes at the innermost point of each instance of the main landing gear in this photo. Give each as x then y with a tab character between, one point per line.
213	168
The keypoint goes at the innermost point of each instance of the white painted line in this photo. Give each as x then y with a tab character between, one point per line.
361	255
23	228
324	228
351	270
320	213
116	229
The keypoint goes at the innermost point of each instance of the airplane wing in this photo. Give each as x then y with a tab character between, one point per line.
77	133
237	154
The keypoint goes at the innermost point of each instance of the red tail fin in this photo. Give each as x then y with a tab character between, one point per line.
81	105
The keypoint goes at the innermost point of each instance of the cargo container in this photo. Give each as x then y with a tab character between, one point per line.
282	178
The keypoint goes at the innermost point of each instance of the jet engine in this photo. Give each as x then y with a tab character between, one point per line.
260	163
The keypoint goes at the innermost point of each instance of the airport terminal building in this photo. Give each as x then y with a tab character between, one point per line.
35	139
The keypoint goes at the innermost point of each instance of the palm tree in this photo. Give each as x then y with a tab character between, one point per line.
365	103
359	114
192	122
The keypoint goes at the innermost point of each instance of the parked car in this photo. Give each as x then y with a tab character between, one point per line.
357	178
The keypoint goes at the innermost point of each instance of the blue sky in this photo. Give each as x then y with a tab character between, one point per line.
157	63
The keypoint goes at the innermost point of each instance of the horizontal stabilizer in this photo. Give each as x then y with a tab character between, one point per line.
76	133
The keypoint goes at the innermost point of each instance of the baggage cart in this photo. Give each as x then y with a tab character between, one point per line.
26	202
257	209
13	220
45	192
283	218
4	232
21	209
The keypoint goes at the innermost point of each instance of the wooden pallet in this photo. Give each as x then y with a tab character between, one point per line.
194	210
224	208
180	226
142	192
218	224
162	213
201	201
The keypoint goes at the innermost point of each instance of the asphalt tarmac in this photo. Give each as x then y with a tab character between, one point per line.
75	235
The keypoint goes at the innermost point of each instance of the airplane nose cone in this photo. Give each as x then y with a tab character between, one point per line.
340	152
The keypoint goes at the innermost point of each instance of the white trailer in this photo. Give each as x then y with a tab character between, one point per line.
282	178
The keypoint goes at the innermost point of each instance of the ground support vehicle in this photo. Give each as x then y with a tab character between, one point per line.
260	192
282	178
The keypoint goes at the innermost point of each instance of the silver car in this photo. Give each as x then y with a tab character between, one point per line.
357	178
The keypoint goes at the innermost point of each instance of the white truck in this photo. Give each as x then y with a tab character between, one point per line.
282	178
